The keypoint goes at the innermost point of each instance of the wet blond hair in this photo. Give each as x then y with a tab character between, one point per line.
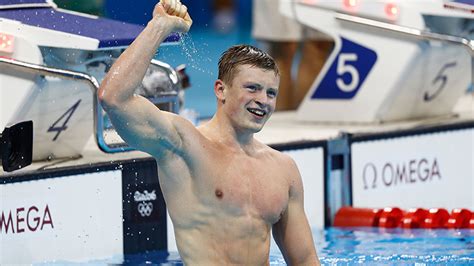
243	54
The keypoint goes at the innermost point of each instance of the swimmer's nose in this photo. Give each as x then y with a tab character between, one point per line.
262	106
261	99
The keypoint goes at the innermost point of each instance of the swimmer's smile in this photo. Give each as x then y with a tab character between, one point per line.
259	113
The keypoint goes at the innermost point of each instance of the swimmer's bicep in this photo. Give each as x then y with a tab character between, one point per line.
144	127
296	191
293	235
292	232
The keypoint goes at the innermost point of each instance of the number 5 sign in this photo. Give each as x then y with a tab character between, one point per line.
347	72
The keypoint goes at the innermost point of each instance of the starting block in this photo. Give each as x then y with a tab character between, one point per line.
388	62
51	64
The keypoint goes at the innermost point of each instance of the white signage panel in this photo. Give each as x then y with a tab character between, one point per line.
310	163
66	219
433	170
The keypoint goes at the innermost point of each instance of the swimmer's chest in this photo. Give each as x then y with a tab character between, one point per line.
240	185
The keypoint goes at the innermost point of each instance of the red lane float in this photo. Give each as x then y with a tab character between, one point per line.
396	217
414	218
349	216
459	219
436	218
390	217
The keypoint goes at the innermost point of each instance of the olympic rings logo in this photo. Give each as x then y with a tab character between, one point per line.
145	208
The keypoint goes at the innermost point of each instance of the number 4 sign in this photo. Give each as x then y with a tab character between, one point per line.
65	119
347	72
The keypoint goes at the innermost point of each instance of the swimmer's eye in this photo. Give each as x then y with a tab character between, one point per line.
252	88
271	93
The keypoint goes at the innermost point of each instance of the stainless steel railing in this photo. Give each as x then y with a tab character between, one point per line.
408	31
171	97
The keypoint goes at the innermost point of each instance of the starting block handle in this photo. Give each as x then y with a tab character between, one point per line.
94	86
463	5
412	32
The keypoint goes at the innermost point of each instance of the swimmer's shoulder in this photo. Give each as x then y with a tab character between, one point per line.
187	131
282	158
207	132
285	165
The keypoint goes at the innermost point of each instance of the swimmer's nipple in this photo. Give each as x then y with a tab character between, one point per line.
219	194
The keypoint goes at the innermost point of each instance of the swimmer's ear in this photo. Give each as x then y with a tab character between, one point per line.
220	91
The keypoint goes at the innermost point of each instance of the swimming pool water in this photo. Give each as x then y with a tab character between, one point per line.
368	246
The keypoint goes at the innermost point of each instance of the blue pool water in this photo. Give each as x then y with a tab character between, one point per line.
368	246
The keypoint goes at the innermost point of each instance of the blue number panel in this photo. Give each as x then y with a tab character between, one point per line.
347	72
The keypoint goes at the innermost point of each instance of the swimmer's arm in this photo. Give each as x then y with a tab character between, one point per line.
144	127
141	124
128	71
136	119
292	232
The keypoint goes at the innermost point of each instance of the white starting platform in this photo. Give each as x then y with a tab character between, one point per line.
75	196
389	63
388	122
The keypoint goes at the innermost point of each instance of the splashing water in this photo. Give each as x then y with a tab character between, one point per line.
196	58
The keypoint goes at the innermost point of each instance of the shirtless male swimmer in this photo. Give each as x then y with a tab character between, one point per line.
224	190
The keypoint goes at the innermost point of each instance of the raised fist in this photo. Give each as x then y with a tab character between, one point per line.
175	12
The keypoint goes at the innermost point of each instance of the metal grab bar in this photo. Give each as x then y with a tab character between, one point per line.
49	71
171	96
171	72
60	73
419	34
26	5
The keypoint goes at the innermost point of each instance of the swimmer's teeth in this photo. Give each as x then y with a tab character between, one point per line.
257	111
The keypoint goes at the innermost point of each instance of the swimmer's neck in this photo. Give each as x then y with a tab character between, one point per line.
222	130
